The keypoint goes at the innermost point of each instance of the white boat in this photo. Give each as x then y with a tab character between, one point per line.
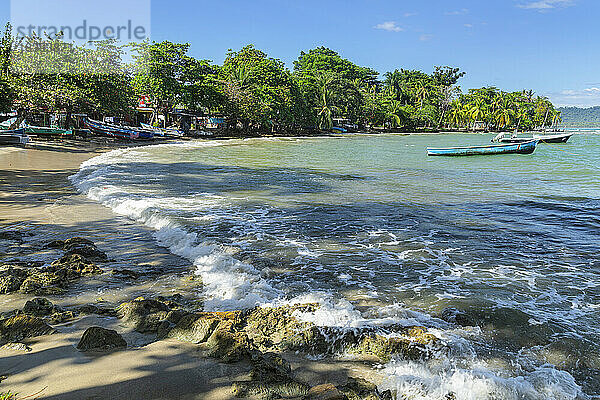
559	138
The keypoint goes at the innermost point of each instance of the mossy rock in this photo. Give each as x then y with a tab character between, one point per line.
38	307
414	344
145	315
74	266
276	329
20	327
193	328
97	338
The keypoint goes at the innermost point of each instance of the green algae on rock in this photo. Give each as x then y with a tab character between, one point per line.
97	338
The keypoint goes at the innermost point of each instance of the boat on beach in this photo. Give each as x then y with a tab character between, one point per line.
558	138
507	148
167	132
116	131
14	137
47	131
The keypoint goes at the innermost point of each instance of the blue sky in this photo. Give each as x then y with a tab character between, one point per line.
550	46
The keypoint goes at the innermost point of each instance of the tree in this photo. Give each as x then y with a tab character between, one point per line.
260	91
7	93
348	88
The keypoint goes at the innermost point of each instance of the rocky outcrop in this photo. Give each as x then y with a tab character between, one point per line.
39	307
46	280
19	327
81	246
408	342
270	378
100	339
147	315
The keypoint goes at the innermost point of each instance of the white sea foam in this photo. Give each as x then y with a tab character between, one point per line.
435	380
227	282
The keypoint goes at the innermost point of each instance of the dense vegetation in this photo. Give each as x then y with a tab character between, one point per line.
255	92
581	117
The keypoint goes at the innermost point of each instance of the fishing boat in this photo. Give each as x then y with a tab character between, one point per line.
168	132
559	138
116	131
14	137
47	131
507	148
514	140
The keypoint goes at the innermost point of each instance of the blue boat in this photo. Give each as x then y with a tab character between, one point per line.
507	148
121	132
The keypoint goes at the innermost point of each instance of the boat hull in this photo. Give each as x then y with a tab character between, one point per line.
119	132
509	148
14	137
562	138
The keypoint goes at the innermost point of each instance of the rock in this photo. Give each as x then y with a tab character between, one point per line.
38	307
11	278
270	379
94	309
76	265
146	316
415	343
97	338
193	328
20	327
125	274
454	315
86	250
269	367
55	244
361	389
77	241
60	317
325	392
227	342
275	329
16	347
11	235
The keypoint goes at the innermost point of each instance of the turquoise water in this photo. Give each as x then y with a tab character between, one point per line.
497	254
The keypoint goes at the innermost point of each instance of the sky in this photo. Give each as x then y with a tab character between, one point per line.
550	46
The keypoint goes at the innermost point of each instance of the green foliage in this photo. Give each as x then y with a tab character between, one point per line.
255	92
498	110
261	93
333	86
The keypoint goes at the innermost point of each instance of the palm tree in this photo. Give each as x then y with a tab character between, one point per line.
324	82
395	113
422	92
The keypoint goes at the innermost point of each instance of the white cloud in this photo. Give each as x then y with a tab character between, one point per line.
410	14
462	11
425	37
389	26
545	5
574	97
468	25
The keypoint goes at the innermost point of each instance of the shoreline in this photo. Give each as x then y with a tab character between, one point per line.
39	203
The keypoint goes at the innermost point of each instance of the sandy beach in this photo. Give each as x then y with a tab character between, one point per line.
38	201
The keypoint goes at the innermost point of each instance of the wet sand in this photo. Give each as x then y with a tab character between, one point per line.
38	200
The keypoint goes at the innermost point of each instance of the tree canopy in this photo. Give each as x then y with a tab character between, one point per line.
252	90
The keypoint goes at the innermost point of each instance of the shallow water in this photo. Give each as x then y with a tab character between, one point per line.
379	233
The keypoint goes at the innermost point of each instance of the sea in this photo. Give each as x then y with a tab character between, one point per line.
498	256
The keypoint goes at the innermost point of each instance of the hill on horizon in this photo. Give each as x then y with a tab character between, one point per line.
578	117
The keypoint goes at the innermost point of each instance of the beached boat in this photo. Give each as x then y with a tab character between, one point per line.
13	137
116	131
47	131
559	138
168	132
508	148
